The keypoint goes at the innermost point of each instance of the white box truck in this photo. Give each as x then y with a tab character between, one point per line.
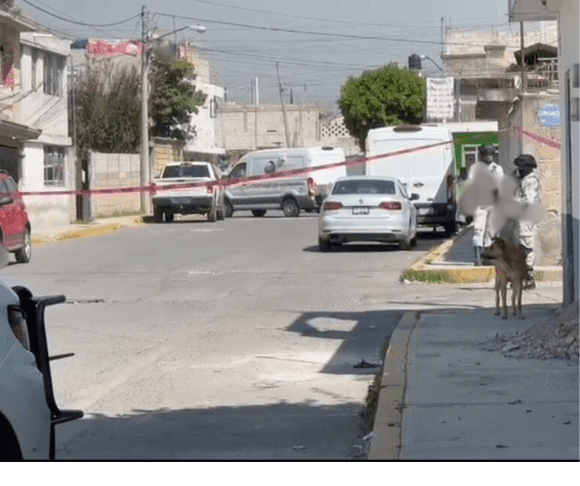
422	158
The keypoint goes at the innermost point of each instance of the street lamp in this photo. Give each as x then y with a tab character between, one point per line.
423	56
145	173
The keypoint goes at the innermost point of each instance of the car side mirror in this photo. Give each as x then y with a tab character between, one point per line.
6	200
414	196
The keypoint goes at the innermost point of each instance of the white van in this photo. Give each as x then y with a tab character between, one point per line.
290	193
429	172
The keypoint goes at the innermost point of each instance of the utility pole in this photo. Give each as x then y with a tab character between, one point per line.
256	103
523	65
286	133
145	168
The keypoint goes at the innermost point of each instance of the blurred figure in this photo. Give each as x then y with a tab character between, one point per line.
528	193
481	233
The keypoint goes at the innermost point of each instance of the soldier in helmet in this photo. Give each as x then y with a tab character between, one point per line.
481	234
528	193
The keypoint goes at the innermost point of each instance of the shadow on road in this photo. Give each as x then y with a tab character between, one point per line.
280	431
364	337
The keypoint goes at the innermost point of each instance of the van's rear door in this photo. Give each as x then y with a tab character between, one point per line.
423	170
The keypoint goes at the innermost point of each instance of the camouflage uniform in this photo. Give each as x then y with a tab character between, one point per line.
528	193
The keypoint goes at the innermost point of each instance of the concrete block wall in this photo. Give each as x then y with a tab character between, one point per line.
114	170
251	127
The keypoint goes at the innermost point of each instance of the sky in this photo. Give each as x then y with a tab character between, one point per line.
318	44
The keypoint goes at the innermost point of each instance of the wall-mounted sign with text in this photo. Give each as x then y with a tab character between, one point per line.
549	115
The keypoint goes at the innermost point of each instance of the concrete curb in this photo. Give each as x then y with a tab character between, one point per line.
431	270
83	230
386	441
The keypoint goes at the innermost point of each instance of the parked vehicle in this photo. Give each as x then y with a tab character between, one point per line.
429	172
28	410
14	223
207	199
367	208
291	193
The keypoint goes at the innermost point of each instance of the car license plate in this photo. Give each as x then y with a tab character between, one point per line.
361	210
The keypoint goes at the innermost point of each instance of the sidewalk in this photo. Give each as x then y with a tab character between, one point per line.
451	390
452	262
99	226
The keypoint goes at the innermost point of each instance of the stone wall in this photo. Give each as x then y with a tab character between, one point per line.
525	115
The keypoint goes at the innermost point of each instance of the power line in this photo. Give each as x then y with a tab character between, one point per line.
78	22
302	17
326	34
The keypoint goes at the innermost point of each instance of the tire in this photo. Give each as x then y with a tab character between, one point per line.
168	215
157	214
229	209
212	215
23	255
258	213
290	207
450	229
323	245
406	245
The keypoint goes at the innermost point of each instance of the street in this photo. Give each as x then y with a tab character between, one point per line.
232	340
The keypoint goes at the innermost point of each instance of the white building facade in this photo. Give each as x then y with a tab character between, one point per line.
35	147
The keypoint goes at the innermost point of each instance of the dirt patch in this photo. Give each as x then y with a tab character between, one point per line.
555	338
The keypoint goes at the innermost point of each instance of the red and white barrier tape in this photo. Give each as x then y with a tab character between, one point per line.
154	188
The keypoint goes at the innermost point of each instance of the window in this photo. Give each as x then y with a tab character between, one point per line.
239	171
6	63
53	71
54	166
186	171
364	187
34	57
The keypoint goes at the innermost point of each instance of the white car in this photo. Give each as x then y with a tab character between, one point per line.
28	411
368	208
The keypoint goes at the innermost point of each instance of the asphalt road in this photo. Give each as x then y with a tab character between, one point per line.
228	340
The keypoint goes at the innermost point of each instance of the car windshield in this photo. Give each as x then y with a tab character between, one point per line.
364	187
186	171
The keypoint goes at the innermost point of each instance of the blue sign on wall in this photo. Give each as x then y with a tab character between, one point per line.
549	115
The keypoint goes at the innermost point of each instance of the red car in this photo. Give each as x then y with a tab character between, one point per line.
14	223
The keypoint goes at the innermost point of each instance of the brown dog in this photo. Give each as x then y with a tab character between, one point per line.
510	266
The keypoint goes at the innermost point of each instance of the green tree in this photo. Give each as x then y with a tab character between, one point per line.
382	97
6	4
108	109
174	97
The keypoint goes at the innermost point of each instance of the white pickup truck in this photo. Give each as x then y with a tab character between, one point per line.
204	199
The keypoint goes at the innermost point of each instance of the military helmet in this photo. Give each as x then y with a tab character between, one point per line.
525	160
486	150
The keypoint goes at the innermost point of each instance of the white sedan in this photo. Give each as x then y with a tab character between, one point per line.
365	208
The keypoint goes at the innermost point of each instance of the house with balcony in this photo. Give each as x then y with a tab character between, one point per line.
509	79
35	146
